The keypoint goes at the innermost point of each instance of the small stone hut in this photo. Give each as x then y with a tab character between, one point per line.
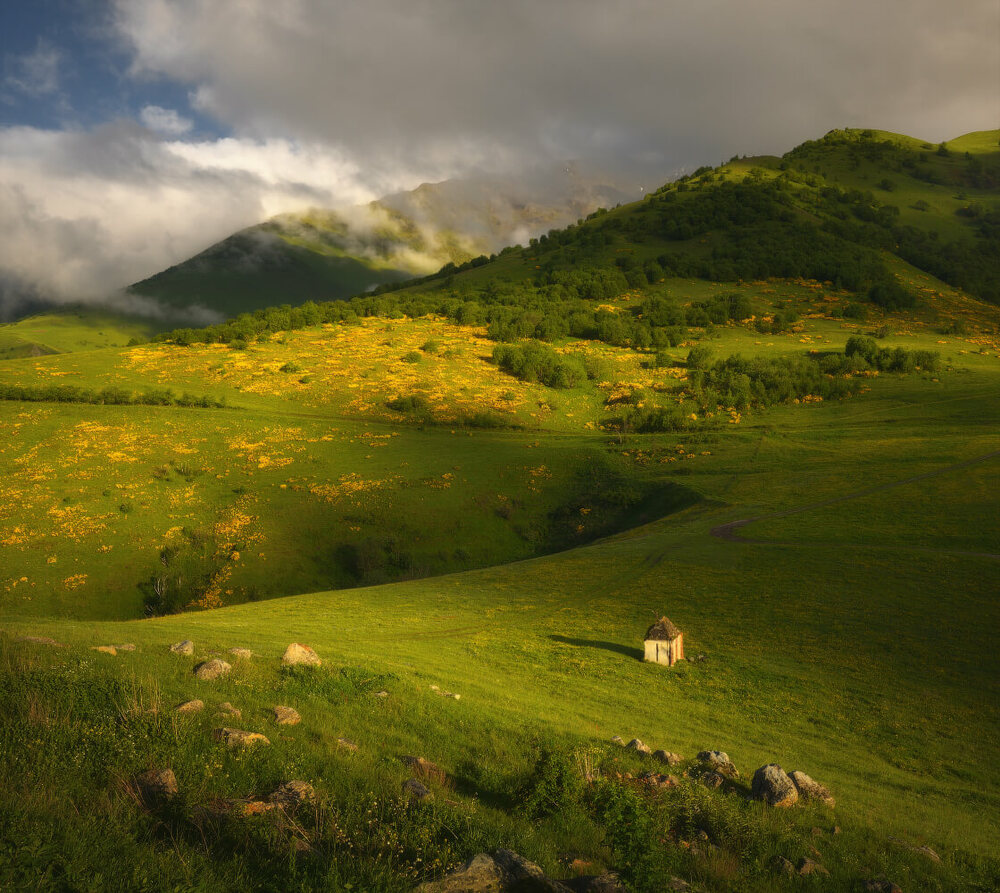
664	643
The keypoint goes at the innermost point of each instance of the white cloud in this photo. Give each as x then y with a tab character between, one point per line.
35	73
166	121
83	213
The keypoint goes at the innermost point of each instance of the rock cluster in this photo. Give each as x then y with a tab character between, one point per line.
506	872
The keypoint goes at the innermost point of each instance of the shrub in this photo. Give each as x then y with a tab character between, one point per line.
699	357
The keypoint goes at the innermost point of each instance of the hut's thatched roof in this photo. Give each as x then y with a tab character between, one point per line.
663	630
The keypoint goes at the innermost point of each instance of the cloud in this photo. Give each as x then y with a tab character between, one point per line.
165	121
84	213
451	84
35	73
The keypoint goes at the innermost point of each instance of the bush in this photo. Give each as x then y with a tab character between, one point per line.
535	362
699	357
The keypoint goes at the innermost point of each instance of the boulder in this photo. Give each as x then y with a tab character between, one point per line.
227	709
212	669
157	784
292	793
719	761
425	769
297	655
665	756
773	786
128	646
636	745
382	694
241	653
105	649
415	789
195	706
238	737
286	716
617	739
810	866
185	647
811	790
479	875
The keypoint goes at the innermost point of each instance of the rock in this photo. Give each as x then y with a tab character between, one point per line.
609	882
617	739
636	745
238	737
212	669
479	875
292	793
300	655
241	653
773	786
415	789
451	694
382	694
882	885
157	784
719	761
185	647
809	866
286	716
347	744
713	780
811	790
679	884
105	649
128	646
782	866
928	852
41	640
227	709
664	756
426	769
656	780
195	706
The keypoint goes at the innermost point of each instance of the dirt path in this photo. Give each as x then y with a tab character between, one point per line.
728	531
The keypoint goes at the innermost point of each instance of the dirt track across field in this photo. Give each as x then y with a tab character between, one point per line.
728	531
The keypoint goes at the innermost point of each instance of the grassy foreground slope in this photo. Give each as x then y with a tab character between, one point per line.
819	518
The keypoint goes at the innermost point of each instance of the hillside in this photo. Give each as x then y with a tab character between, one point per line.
759	401
329	254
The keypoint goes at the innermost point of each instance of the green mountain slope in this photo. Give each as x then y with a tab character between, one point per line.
323	255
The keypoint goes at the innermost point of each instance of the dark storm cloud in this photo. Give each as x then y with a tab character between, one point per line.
463	82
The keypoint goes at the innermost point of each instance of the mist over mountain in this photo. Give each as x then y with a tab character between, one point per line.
325	254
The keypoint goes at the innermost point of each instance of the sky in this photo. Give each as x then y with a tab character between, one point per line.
134	133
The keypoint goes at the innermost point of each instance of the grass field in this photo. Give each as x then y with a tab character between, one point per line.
504	541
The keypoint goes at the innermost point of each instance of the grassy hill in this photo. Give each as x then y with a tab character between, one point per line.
489	483
67	331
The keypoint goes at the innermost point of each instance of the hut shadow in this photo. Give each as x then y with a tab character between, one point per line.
634	653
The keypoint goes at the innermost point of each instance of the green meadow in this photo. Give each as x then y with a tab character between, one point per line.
380	489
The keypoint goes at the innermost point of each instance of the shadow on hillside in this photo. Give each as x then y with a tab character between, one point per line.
635	653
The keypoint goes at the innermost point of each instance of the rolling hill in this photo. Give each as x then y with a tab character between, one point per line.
763	401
